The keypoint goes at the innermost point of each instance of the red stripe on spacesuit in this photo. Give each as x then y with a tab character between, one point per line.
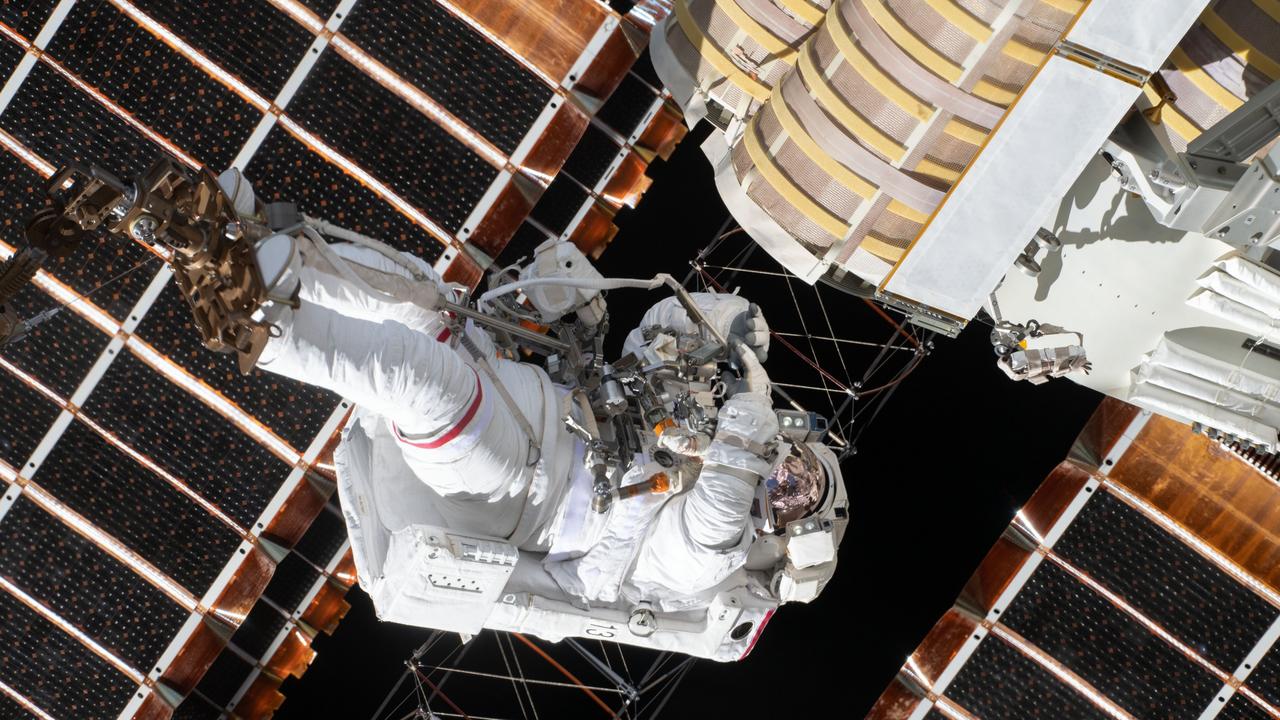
759	632
453	432
444	335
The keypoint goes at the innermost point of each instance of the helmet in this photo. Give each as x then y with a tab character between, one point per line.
798	484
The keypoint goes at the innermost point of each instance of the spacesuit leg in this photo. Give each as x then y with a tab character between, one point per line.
324	284
419	384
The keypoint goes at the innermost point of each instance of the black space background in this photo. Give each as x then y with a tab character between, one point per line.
937	478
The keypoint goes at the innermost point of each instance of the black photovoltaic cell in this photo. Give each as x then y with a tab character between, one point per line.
936	715
26	16
259	629
628	104
138	508
1166	580
522	244
1265	678
324	538
1109	649
559	204
59	123
224	678
294	411
291	582
58	353
10	54
471	77
644	68
154	83
592	156
85	586
187	438
1000	683
392	141
55	672
248	38
323	8
25	417
284	169
1241	708
195	707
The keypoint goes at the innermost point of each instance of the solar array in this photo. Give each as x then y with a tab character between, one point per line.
169	536
1139	582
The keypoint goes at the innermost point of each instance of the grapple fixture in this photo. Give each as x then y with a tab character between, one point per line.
183	215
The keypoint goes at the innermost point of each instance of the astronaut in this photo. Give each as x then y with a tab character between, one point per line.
483	443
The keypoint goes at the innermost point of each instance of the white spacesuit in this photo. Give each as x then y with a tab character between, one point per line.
459	454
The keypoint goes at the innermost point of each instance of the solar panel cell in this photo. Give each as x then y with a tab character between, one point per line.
59	352
259	629
1265	678
294	411
1241	708
324	538
285	170
590	160
154	83
26	16
1107	648
187	438
628	104
1000	683
559	204
137	507
471	77
53	670
395	143
1166	580
248	38
86	586
291	582
25	417
10	54
60	123
224	678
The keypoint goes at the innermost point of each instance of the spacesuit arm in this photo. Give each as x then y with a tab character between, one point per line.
703	536
729	314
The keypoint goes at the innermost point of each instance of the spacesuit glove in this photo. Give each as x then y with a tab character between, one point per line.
750	327
754	378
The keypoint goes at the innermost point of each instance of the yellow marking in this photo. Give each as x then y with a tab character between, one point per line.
1067	6
903	210
991	92
1270	7
781	184
716	56
872	73
881	249
1203	81
847	116
855	183
1023	52
956	15
967	133
1171	118
1241	47
933	169
907	40
804	11
754	30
